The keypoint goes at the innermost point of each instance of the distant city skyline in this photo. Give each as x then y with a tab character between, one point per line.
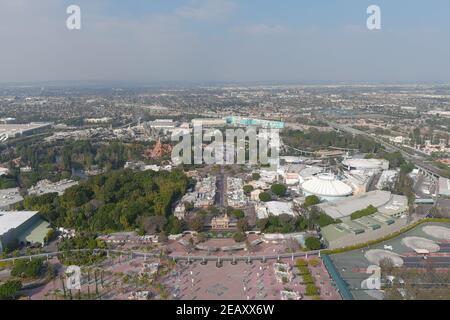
225	41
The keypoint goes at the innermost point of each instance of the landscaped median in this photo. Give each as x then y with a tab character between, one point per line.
388	237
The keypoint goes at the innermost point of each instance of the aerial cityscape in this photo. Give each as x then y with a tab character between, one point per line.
221	189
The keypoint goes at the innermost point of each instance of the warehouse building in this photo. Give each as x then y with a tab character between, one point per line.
366	164
385	201
390	217
9	131
24	227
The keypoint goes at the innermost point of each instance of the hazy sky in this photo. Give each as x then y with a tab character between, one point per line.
225	40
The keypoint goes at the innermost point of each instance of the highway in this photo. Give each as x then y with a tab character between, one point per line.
432	170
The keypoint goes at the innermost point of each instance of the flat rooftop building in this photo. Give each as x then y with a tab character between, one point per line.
382	200
46	186
390	217
9	197
275	208
21	226
8	131
366	164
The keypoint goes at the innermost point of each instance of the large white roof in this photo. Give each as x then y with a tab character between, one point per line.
364	163
383	200
326	185
13	219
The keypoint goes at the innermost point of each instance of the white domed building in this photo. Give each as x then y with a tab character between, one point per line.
326	187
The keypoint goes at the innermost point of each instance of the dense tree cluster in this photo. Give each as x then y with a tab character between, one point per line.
278	189
265	197
285	223
117	201
311	200
55	162
315	140
28	269
312	243
9	289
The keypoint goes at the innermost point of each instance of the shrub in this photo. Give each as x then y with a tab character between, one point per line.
314	262
279	189
248	189
311	290
325	220
242	225
303	270
311	201
265	197
8	290
256	176
238	214
301	262
308	279
27	269
239	237
365	212
312	243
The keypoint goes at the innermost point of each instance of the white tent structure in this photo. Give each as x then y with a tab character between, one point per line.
326	187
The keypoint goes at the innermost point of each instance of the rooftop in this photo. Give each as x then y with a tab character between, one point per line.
366	163
278	208
327	185
9	197
12	219
383	200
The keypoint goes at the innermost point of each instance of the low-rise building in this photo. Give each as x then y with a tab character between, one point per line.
275	208
382	200
235	193
365	164
220	223
46	186
387	179
9	197
21	227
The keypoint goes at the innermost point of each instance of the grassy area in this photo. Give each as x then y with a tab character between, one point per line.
444	169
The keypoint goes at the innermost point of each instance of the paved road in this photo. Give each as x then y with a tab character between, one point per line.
420	262
220	190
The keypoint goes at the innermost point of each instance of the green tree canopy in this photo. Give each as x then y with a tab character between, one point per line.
279	189
265	197
311	200
312	243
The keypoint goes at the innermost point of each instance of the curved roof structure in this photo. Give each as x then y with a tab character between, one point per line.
326	185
